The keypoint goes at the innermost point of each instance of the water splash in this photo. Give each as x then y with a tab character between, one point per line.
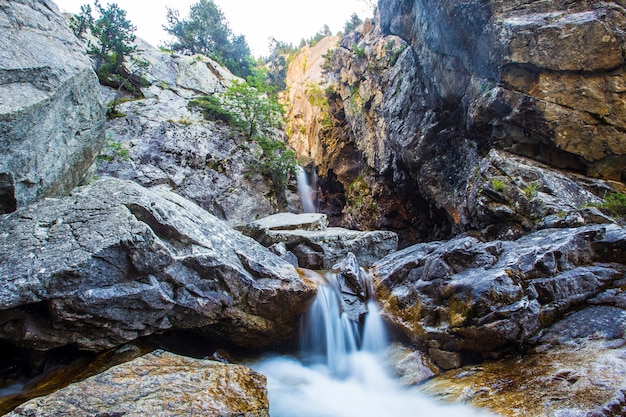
341	373
307	190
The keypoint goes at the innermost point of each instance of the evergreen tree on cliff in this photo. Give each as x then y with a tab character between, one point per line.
205	31
115	33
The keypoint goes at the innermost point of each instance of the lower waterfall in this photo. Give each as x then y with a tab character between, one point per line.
340	371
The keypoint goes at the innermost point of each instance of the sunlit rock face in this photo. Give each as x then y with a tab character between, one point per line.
425	92
317	246
115	261
51	111
578	368
161	140
159	384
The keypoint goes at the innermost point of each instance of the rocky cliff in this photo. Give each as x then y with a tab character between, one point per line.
51	112
428	95
161	139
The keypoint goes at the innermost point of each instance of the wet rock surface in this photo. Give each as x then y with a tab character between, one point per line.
479	299
317	246
115	261
577	369
159	384
51	112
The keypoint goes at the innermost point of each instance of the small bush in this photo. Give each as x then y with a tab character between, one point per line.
497	185
113	150
531	190
211	108
615	203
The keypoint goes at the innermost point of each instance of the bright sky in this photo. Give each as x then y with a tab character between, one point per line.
257	20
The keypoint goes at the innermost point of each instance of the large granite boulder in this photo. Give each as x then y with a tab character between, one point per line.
115	261
51	112
159	384
317	246
465	299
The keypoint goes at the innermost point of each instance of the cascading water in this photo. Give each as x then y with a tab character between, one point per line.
307	190
341	371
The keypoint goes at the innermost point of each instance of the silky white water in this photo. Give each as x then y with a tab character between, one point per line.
307	191
340	371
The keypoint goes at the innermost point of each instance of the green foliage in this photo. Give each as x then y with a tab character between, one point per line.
359	52
211	107
205	31
531	190
327	64
497	185
317	96
395	54
352	24
615	203
255	111
276	162
82	22
115	34
113	151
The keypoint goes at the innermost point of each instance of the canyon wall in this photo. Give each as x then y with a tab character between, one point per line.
431	98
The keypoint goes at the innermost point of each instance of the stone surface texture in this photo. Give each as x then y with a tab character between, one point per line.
159	384
51	112
317	246
161	140
115	261
428	94
477	300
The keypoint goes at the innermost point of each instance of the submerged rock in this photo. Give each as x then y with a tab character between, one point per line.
51	112
159	384
479	299
115	261
317	246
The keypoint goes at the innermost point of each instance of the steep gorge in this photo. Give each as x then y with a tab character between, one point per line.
428	100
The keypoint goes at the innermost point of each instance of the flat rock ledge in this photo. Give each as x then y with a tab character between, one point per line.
159	384
317	246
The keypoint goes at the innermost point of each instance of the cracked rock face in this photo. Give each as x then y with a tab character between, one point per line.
51	113
115	261
423	96
479	299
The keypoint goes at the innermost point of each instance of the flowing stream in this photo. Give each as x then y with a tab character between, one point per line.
340	370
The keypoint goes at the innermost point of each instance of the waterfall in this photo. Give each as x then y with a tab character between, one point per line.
330	338
341	372
307	190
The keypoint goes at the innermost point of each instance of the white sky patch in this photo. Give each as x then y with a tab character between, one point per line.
259	21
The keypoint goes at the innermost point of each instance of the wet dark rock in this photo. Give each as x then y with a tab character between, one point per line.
482	298
115	261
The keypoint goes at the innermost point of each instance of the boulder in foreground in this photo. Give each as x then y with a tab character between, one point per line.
159	384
